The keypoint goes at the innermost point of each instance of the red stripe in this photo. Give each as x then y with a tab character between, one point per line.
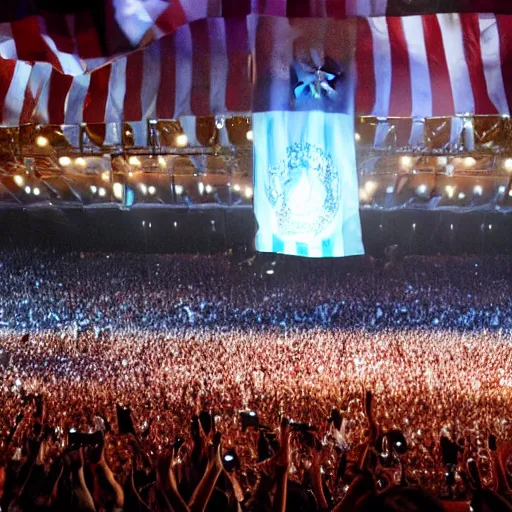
336	9
238	92
58	29
442	97
236	8
58	91
133	97
6	74
87	39
473	53
504	31
96	99
172	18
365	90
200	96
401	94
167	89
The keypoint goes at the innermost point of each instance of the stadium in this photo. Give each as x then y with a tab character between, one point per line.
255	255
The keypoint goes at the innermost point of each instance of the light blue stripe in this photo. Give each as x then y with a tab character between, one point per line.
277	244
327	248
302	249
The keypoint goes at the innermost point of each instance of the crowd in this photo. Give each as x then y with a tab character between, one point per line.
208	383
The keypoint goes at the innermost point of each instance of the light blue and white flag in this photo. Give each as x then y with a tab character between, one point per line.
305	178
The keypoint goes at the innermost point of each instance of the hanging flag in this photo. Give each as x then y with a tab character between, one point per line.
305	178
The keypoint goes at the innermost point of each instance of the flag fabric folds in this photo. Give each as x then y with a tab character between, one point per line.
305	178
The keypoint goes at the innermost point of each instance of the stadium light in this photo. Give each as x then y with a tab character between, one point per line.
105	176
143	188
450	189
508	164
478	190
181	140
390	189
250	135
133	160
357	137
161	162
64	161
370	187
248	192
208	189
118	191
200	187
27	190
152	190
406	161
501	189
175	224
236	188
94	189
422	189
80	162
462	195
36	191
102	192
178	189
414	226
469	162
42	141
19	180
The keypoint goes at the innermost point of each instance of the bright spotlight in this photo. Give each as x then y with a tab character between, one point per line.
406	161
370	187
27	190
178	189
236	188
143	188
414	226
478	190
451	227
422	189
118	191
94	189
36	191
508	164
510	193
250	135
490	227
462	195
270	272
80	162
175	224
105	176
161	162
501	189
442	161
357	136
152	190
42	141
19	180
181	140
133	160
102	192
208	189
64	161
390	189
200	187
248	192
469	162
450	190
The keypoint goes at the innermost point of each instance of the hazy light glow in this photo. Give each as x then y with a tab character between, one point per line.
248	192
102	192
422	188
133	160
250	135
118	191
442	161
36	191
80	162
94	189
181	140
27	190
478	190
143	188
152	190
42	141
469	162
450	190
390	189
406	161
19	180
64	161
178	189
507	164
105	176
357	136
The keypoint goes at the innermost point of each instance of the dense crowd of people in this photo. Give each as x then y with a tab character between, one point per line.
183	383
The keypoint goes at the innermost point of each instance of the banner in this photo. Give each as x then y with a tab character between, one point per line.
305	177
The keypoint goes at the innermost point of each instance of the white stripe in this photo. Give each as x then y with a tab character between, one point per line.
491	57
382	65
7	43
184	56
420	77
150	80
114	108
39	86
69	63
451	31
456	128
74	106
15	96
218	65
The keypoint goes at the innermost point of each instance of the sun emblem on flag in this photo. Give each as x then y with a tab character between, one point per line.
304	192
